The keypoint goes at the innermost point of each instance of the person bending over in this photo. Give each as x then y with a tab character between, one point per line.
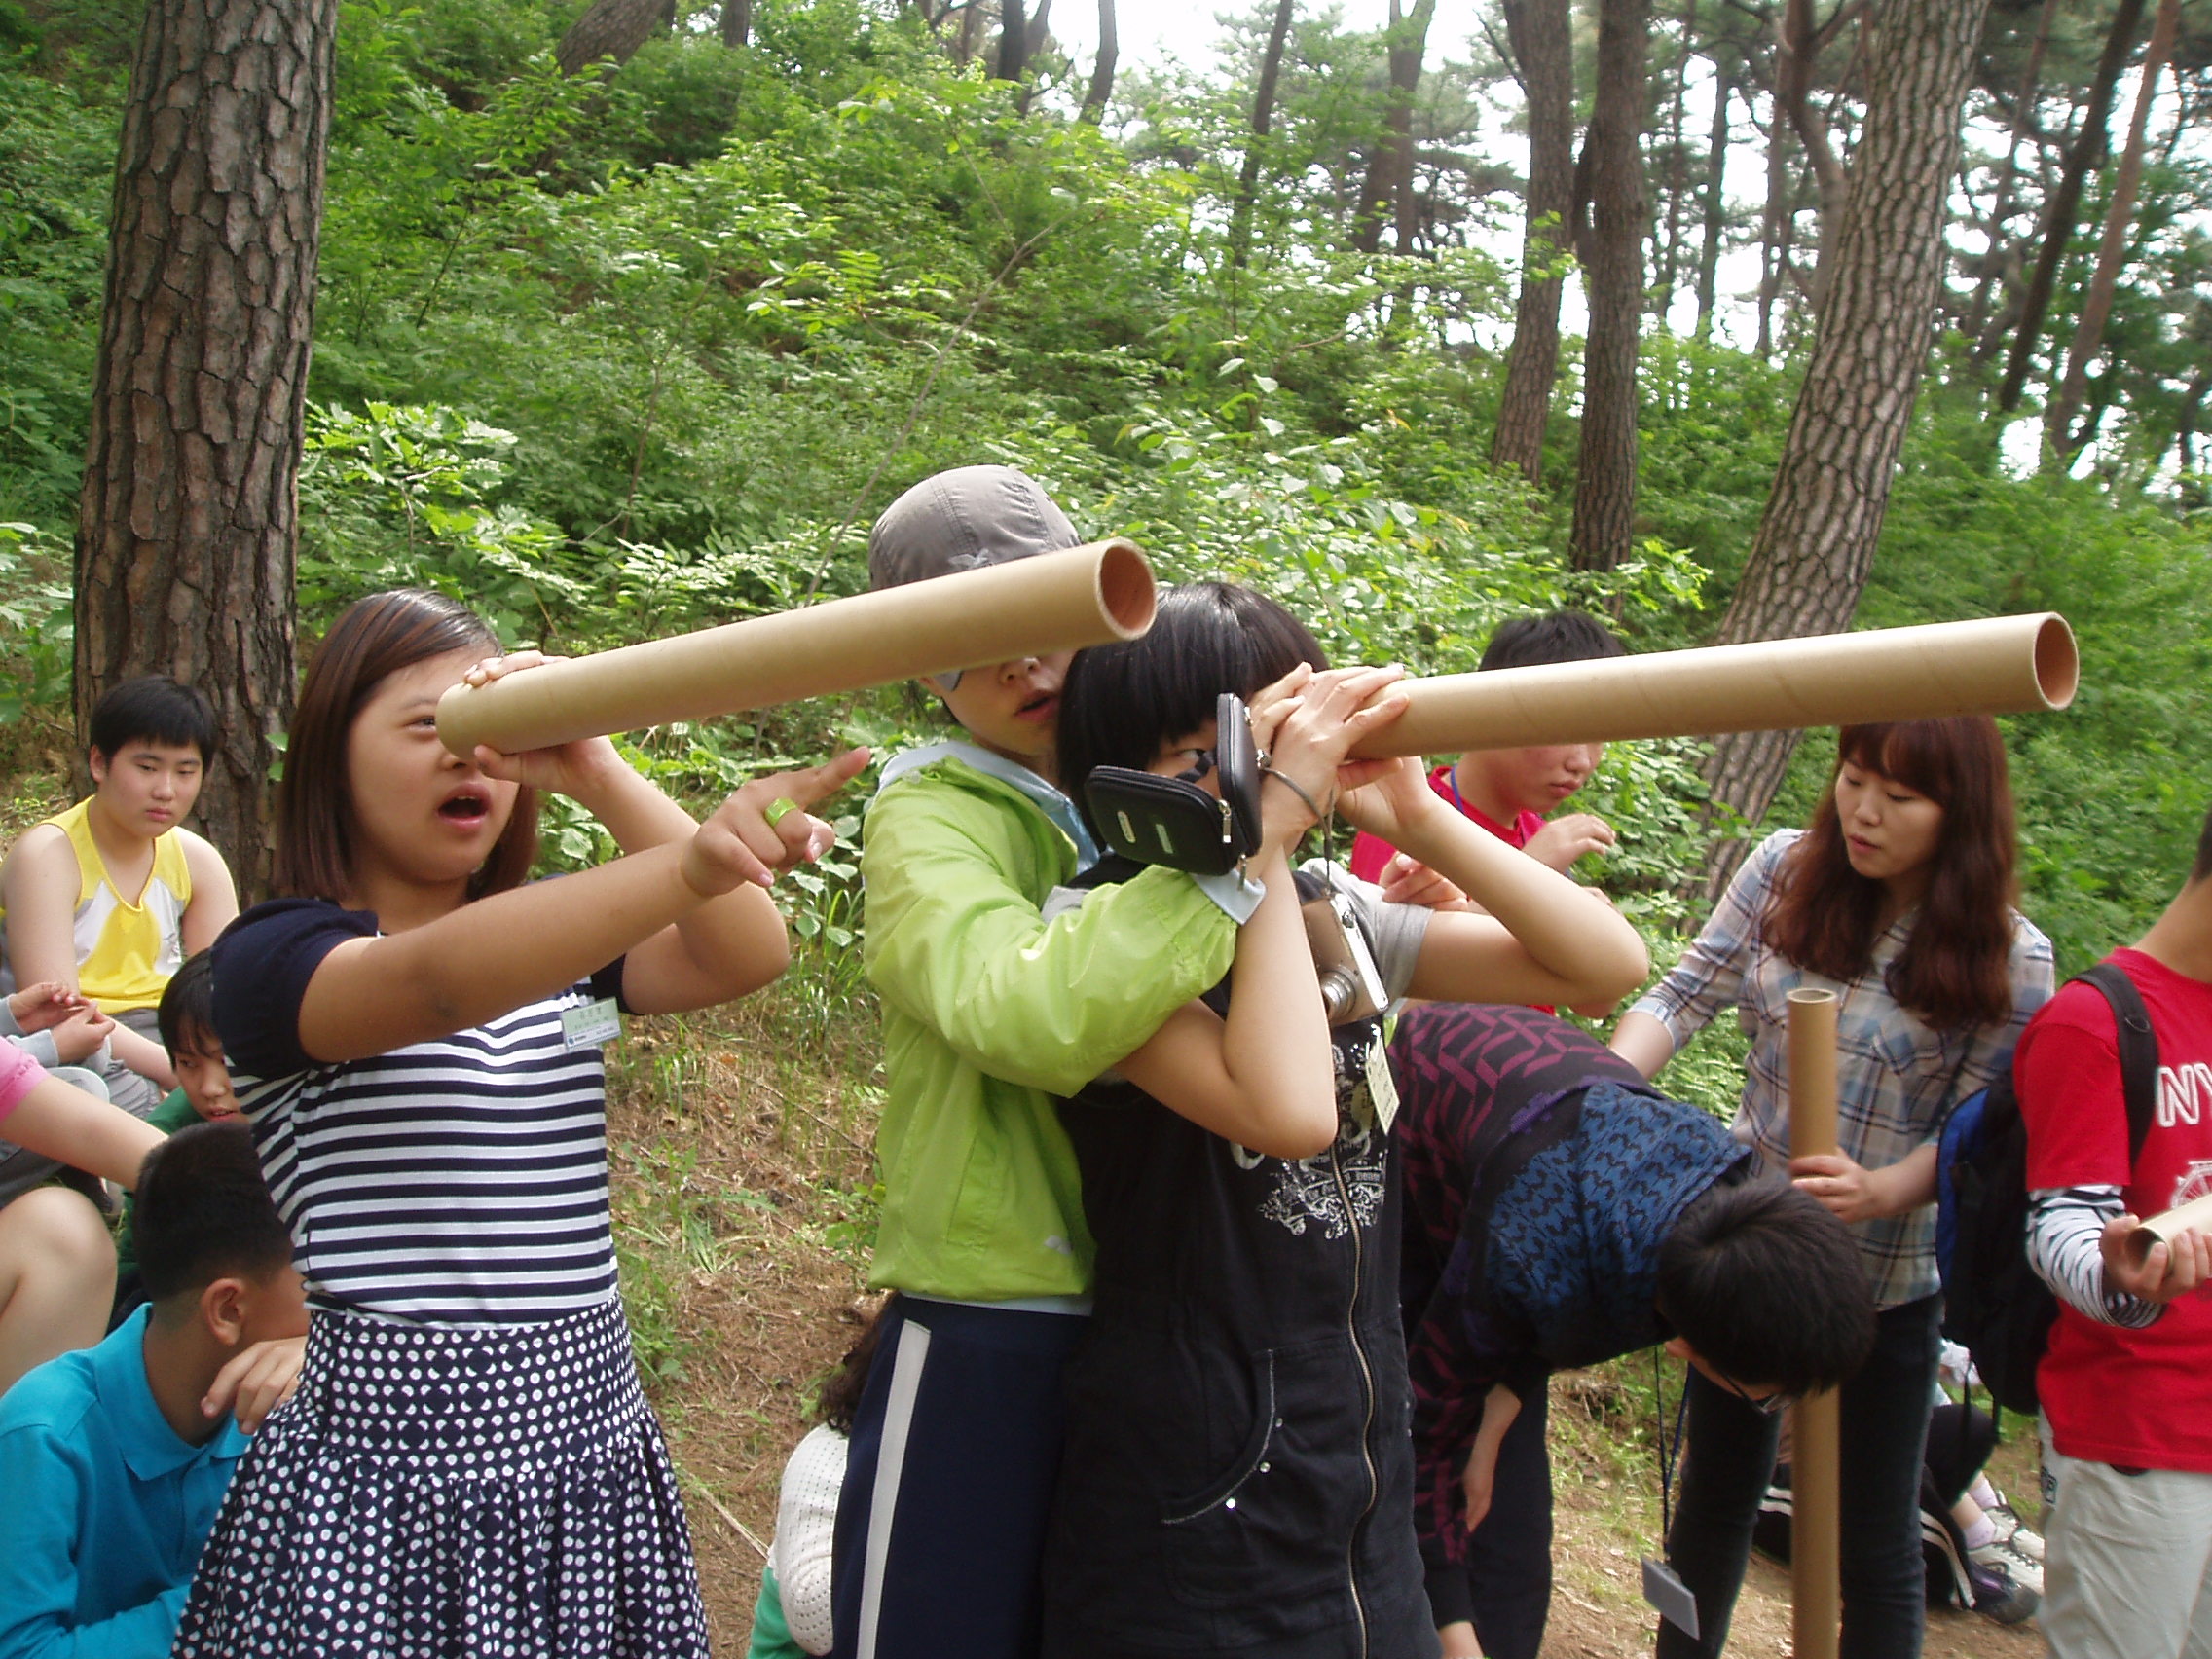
1559	1212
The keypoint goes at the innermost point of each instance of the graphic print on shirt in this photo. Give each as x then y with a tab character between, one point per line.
2184	1092
1355	1169
2193	1182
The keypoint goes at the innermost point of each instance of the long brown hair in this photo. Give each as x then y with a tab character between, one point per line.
1954	970
375	638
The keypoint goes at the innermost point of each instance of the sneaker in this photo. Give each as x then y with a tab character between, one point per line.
1999	1596
2012	1531
2021	1568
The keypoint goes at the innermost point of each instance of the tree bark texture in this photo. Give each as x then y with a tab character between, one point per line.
2065	205
1541	35
189	505
613	30
1101	85
2058	435
1387	191
1815	542
1263	118
737	22
1605	480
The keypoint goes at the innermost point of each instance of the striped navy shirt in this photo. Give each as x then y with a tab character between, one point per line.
460	1181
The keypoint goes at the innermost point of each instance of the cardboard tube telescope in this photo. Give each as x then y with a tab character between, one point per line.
1816	1595
1051	602
1995	665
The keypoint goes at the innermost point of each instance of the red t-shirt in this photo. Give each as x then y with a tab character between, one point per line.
1370	853
2136	1399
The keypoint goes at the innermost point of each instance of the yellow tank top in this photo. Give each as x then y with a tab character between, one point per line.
126	948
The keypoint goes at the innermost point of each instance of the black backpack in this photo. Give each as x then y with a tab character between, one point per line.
1994	1303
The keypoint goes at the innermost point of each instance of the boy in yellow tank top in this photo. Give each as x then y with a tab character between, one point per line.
107	898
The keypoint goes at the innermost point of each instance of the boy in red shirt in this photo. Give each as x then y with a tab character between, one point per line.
1509	791
2126	1384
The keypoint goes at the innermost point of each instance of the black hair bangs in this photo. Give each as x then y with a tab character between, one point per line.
1126	702
153	709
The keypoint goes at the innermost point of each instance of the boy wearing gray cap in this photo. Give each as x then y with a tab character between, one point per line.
988	1013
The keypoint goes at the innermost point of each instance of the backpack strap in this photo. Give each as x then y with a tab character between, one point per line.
2138	1051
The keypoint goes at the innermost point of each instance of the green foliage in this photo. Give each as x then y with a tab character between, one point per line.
34	614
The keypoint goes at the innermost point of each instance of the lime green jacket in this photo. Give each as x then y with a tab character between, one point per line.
988	1014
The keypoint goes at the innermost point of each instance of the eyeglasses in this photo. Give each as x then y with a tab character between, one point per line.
1766	1405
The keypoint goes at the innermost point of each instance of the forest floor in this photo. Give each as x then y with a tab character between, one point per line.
744	1216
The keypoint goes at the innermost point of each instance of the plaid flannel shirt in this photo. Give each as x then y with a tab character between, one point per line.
1896	1076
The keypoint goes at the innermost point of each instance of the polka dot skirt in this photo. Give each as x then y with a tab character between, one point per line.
438	1492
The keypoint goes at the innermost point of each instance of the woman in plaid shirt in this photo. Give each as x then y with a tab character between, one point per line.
1899	899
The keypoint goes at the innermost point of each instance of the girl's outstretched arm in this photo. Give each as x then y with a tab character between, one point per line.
1546	940
369	996
59	1120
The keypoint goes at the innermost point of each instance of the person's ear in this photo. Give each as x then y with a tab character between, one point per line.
96	762
225	1303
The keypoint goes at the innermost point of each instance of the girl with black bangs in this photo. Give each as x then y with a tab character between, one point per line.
1237	1475
1899	898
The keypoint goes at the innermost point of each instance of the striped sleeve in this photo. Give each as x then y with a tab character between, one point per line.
2064	1227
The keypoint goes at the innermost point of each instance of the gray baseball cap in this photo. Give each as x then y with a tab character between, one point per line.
963	520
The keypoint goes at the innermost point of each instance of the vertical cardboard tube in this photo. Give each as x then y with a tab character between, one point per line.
1815	1600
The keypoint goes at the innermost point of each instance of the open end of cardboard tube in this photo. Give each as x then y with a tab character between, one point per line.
1126	594
2058	665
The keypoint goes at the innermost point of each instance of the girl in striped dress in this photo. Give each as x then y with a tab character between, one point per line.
415	1034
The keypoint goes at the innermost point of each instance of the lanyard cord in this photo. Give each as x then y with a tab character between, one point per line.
1670	1459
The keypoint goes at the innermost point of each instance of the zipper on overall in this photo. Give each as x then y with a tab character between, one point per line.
1367	1393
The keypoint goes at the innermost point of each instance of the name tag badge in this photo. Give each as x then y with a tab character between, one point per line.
592	1024
1664	1589
1381	1086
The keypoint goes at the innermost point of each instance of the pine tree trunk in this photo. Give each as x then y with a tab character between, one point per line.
1716	202
1604	481
2008	182
2058	436
189	506
1541	35
1667	256
737	22
1386	192
1263	118
2065	205
613	30
1014	40
1101	87
1774	225
1815	540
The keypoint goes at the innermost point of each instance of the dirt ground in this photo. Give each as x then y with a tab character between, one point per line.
743	1225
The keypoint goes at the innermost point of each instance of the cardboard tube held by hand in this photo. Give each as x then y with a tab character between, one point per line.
1816	1597
1050	602
1991	666
2163	1229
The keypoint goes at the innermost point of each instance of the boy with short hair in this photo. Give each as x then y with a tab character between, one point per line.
1560	1212
204	1094
108	897
2127	1383
1509	792
114	1458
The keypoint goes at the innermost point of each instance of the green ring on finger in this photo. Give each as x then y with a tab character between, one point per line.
779	809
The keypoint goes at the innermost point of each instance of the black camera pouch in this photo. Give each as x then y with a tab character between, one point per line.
1172	821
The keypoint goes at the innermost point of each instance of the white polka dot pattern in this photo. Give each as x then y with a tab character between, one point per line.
434	1491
